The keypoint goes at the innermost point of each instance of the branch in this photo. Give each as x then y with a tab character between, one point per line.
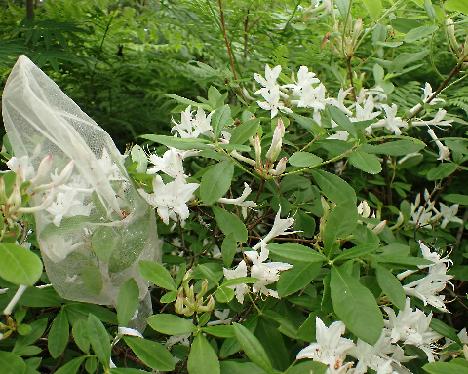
226	40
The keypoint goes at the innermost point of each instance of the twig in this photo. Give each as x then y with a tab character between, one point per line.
226	40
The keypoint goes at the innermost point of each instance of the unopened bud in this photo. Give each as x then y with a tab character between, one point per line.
364	209
451	35
277	142
280	167
14	200
43	171
379	228
65	174
3	196
258	151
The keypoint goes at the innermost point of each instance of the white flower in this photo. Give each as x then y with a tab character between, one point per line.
412	327
170	199
391	122
21	166
375	357
170	163
222	316
190	127
449	214
305	79
364	209
330	348
176	339
68	203
444	151
365	112
339	135
43	171
241	200
271	76
463	336
280	227
239	272
265	273
427	288
427	93
59	248
339	101
280	167
272	101
438	120
312	98
109	167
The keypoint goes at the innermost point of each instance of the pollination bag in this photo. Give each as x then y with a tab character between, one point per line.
94	228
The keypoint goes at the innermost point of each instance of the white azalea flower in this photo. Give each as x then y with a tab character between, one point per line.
427	93
271	76
427	288
190	127
330	348
222	316
272	101
170	163
280	227
241	200
376	357
109	167
444	151
239	272
412	327
366	111
438	120
391	122
313	98
449	214
305	79
21	166
170	199
59	248
463	336
339	101
265	273
68	203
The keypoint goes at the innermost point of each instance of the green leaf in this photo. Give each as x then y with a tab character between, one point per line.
395	148
298	277
334	188
179	143
455	198
239	367
296	252
216	182
156	273
355	305
170	324
402	260
202	357
304	159
374	8
19	265
457	6
80	334
228	249
58	335
244	132
230	224
252	347
220	331
341	222
391	286
459	366
419	33
307	367
358	251
365	161
72	366
12	363
440	172
127	302
224	294
152	354
221	118
442	328
342	121
185	101
99	339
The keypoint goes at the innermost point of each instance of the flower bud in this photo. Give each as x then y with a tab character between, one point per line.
65	174
280	167
451	35
14	200
43	171
379	228
364	209
277	142
3	196
258	151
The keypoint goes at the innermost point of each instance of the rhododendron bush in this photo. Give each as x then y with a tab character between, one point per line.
300	227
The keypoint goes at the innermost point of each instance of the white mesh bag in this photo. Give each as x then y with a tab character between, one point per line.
96	228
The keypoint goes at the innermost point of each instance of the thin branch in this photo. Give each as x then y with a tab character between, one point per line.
226	40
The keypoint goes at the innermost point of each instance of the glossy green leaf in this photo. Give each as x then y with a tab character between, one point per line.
230	224
202	357
179	143
72	366
221	118
99	339
297	278
127	302
244	132
304	159
216	182
295	252
58	335
19	265
440	172
151	353
252	347
391	286
170	324
334	188
365	161
156	273
355	305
